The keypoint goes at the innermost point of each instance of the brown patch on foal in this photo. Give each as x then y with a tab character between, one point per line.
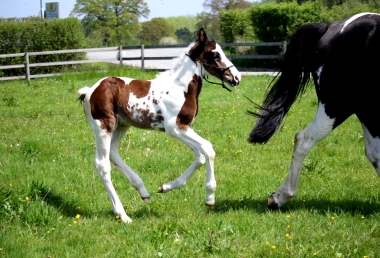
112	96
189	108
139	88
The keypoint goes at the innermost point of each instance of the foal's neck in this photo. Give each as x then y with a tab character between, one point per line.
189	76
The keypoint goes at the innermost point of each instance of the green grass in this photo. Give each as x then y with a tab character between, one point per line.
47	178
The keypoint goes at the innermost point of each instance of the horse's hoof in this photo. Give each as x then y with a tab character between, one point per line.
209	206
146	199
160	189
272	205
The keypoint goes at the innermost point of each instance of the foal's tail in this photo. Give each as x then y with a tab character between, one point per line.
295	71
82	93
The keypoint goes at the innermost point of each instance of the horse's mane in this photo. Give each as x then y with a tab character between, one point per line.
177	62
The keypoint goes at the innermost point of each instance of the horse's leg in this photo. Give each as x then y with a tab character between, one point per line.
372	147
103	166
304	141
133	178
204	153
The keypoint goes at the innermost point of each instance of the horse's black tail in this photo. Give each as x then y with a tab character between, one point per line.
295	71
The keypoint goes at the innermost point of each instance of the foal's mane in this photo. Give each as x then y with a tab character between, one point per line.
177	62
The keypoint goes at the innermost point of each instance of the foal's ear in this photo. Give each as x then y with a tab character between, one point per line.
202	36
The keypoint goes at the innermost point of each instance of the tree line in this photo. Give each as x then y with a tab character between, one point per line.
115	22
102	23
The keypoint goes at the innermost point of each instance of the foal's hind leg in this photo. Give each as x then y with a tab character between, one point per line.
103	166
372	148
133	178
304	141
204	153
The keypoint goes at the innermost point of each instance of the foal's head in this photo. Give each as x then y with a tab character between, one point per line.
212	58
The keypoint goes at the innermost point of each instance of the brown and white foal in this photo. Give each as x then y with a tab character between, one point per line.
169	103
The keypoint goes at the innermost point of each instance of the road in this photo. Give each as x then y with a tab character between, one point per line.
110	56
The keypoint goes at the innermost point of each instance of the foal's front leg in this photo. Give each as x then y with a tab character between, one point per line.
204	153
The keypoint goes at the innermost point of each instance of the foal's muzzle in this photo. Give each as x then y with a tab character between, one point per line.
230	78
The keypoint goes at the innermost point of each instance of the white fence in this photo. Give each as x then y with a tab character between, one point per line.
27	65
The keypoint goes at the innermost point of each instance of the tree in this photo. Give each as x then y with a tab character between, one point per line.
115	22
152	31
210	21
215	6
184	35
236	25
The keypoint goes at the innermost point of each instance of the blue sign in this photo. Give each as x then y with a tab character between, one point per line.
52	10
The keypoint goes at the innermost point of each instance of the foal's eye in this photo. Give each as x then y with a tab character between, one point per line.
217	55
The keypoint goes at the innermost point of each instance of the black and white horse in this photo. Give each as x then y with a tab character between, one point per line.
169	103
343	58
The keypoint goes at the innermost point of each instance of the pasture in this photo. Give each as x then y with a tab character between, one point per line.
53	204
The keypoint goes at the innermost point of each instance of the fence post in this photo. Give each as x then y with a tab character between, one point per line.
121	55
142	58
283	47
27	68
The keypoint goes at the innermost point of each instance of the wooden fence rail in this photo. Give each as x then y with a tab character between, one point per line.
27	65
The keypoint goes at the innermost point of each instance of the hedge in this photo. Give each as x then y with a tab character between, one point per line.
35	35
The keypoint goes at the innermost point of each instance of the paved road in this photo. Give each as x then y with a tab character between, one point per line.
110	56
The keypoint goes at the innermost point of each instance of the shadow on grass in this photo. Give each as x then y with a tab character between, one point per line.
50	198
69	209
354	206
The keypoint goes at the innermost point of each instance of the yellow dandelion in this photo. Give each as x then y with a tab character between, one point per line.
267	243
288	236
288	226
332	218
288	216
48	232
117	217
75	222
273	247
27	198
77	216
69	225
362	216
287	248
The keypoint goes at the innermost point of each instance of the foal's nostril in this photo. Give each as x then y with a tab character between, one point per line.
236	78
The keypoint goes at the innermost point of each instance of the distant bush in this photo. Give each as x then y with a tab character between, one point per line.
34	35
236	26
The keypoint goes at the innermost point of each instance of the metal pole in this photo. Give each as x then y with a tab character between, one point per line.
42	9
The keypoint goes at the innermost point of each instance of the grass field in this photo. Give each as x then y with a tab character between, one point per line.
52	203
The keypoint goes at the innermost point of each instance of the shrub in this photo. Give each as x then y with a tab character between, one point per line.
34	35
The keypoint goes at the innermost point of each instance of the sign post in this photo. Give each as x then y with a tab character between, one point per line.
52	10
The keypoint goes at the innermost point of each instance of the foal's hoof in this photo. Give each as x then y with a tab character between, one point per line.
209	206
160	189
146	199
272	205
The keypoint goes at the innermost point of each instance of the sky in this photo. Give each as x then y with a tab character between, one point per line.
158	8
